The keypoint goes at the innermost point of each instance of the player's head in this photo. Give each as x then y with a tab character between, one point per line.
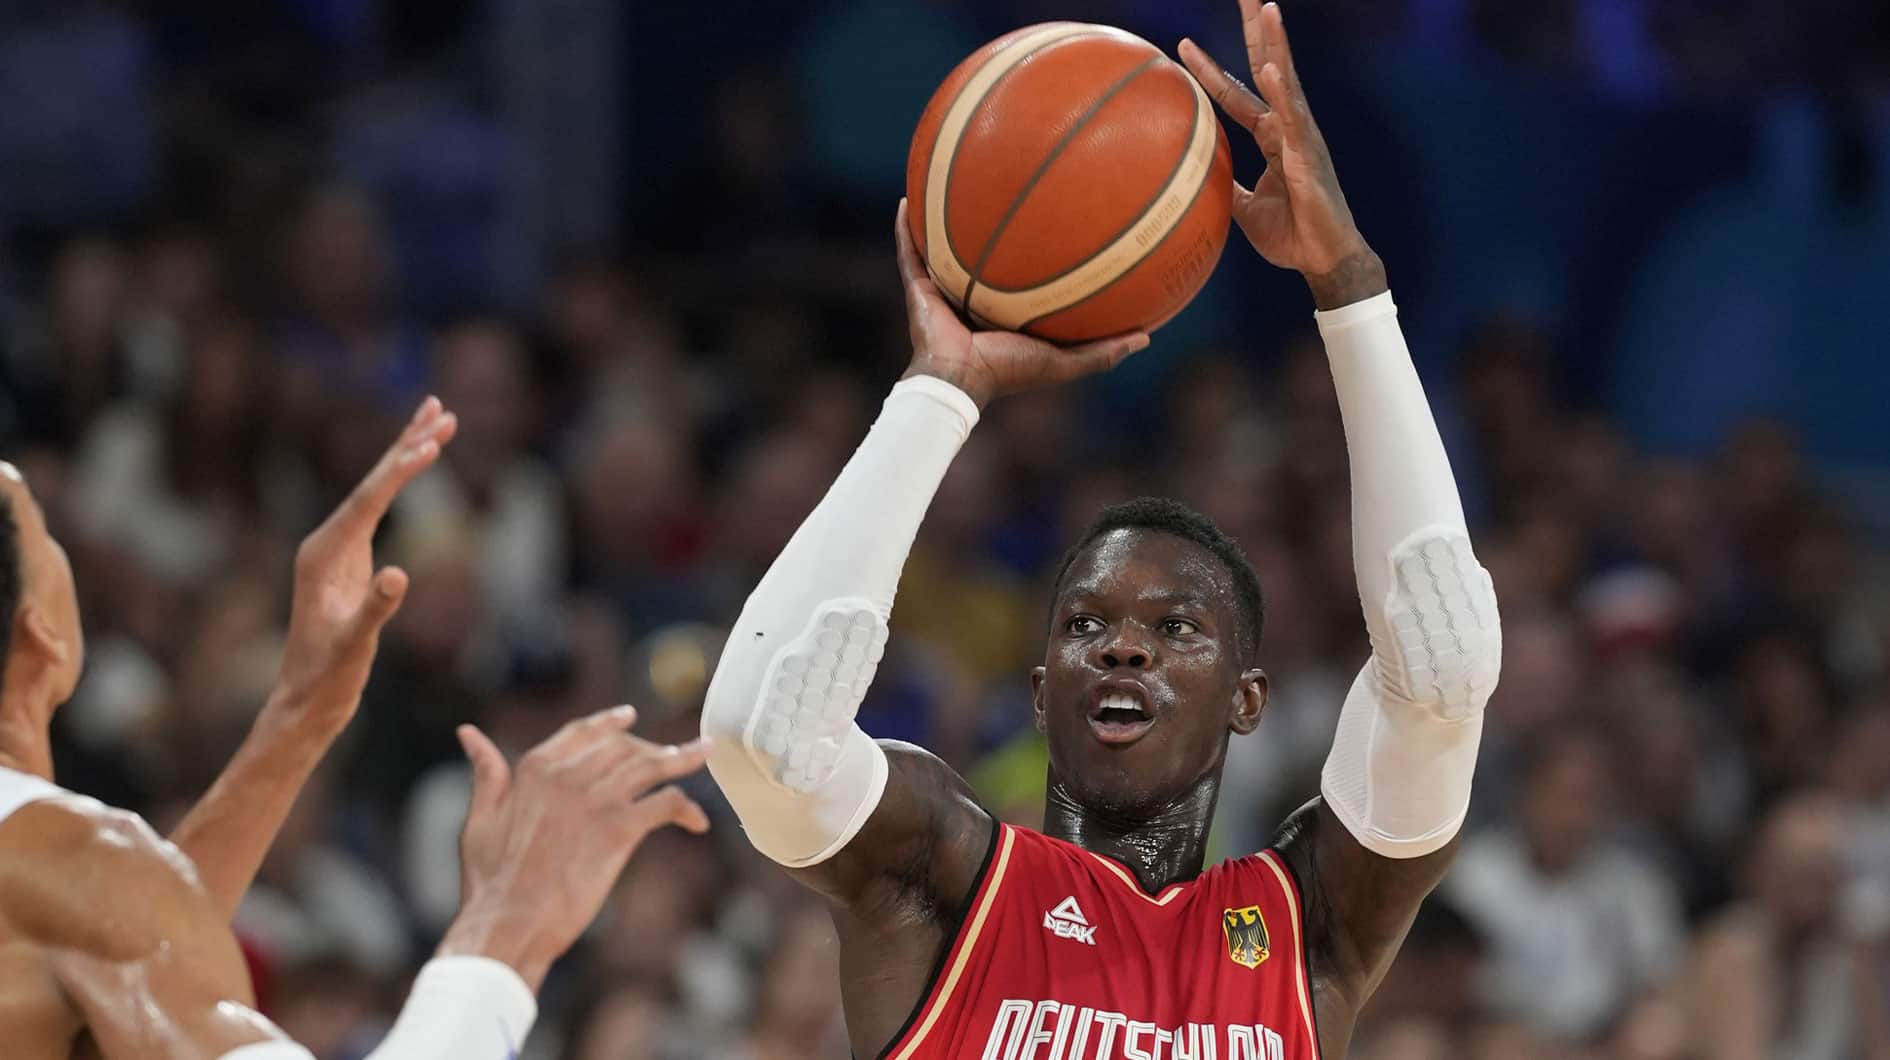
1152	659
43	647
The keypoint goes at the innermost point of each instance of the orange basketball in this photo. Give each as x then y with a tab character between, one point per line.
1070	181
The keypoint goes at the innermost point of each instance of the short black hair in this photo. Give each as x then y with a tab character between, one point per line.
1164	515
10	578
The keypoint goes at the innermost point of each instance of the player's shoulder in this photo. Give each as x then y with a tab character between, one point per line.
65	858
1267	869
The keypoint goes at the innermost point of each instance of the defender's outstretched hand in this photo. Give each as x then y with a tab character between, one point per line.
1295	215
335	620
544	843
341	602
989	364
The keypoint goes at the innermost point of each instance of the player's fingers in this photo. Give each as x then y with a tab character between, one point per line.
671	806
415	450
1075	362
1279	49
911	265
491	776
615	719
1270	136
1243	196
1251	33
651	766
1226	90
569	746
385	593
1294	121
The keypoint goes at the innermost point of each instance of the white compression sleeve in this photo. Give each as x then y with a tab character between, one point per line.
461	1008
1400	769
779	713
269	1051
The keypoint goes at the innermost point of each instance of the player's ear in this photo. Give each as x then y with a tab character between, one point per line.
1250	701
1036	695
33	627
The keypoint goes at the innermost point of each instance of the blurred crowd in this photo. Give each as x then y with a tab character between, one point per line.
241	242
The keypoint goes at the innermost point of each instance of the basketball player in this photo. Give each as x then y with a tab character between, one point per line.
109	932
1104	937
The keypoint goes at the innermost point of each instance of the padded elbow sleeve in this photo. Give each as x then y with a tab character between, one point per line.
1445	644
1402	762
801	774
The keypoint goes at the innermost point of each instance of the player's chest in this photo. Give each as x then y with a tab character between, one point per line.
1204	955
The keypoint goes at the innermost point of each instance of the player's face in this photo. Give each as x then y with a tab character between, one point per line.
48	595
1142	679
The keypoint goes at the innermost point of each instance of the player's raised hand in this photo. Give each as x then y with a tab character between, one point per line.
341	602
545	842
989	364
1295	215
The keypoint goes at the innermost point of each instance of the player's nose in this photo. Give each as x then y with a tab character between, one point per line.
1126	645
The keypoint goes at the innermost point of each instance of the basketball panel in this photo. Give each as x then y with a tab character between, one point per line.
1024	122
1164	282
925	135
1106	178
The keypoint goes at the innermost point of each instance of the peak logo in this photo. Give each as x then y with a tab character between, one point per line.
1067	921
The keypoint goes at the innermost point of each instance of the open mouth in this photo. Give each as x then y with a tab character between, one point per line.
1120	718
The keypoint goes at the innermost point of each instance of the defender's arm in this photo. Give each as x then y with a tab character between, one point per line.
339	607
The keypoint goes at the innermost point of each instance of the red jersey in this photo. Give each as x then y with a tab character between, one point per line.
1061	956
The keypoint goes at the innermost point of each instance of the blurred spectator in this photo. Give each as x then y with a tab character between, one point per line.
1577	926
174	486
494	494
1772	974
796	1012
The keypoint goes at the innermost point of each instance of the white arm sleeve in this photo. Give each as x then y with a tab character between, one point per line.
282	1050
1399	773
783	745
460	1008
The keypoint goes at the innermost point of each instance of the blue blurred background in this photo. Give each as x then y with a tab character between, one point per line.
1641	249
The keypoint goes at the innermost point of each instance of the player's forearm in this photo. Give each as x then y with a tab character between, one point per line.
230	829
1401	477
1400	770
779	712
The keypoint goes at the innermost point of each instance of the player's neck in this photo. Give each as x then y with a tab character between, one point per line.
25	720
1163	846
25	747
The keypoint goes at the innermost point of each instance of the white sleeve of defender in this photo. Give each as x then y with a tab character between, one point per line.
461	1008
1401	764
779	713
281	1050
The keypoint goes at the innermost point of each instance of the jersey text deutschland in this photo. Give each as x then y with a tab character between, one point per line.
1051	1030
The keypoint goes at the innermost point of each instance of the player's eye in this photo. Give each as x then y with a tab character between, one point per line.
1082	624
1179	627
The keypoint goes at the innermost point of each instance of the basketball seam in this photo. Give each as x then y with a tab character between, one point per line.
1056	150
1161	191
1131	271
951	167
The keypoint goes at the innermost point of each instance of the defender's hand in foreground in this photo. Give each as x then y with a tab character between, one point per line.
989	364
544	843
1295	215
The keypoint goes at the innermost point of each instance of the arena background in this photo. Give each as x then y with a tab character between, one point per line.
1641	248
